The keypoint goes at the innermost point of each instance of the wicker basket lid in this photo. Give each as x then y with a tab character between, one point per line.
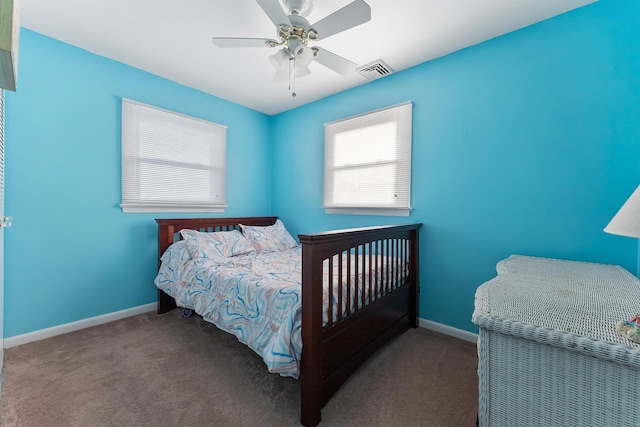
564	303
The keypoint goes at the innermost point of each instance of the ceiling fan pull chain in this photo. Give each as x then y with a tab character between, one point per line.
292	75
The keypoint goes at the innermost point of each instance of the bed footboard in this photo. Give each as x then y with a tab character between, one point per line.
381	303
380	300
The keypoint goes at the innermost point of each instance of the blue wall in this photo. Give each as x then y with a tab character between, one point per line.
525	144
71	253
528	143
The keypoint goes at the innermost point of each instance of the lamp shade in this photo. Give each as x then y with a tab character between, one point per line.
627	221
302	71
282	75
304	56
280	59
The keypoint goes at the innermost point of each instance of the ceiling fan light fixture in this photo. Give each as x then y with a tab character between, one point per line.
304	55
280	59
282	75
302	70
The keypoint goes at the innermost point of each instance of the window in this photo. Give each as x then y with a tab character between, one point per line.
367	163
171	162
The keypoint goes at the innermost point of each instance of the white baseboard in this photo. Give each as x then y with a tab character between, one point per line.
106	318
76	326
448	330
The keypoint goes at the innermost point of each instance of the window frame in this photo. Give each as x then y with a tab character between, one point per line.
402	115
132	160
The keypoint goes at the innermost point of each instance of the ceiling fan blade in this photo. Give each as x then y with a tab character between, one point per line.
336	63
275	12
353	14
242	42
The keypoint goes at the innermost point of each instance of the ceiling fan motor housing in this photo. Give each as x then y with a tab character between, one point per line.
299	30
297	7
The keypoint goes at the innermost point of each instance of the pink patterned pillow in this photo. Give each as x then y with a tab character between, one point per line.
221	244
270	238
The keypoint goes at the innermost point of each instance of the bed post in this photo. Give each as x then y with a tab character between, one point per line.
312	390
414	278
165	239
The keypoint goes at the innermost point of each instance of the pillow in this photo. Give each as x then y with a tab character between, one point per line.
270	238
176	255
221	244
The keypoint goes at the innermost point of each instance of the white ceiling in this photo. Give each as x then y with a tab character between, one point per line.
172	38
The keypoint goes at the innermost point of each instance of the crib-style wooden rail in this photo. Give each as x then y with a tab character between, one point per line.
379	302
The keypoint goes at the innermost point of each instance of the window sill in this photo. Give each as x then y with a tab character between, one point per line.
368	211
159	208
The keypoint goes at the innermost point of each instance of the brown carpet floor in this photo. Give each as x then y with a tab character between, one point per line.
151	370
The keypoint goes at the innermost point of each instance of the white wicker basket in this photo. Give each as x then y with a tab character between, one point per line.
548	351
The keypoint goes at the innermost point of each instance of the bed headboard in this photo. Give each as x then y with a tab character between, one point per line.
169	229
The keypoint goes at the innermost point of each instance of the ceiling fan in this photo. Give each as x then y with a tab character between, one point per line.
294	34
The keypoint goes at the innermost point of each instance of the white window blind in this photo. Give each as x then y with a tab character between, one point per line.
171	162
368	163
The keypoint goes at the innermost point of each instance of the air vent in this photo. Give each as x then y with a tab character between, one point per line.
375	70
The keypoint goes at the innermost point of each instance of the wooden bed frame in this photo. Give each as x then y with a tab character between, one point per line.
332	352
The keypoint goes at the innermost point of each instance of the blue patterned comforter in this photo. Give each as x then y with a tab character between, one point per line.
256	297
